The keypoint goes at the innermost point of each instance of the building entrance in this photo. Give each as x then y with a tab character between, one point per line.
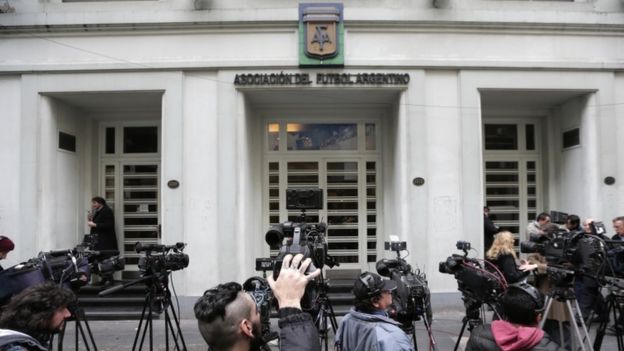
130	178
343	160
513	173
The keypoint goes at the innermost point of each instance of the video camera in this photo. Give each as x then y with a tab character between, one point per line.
411	300
554	246
477	284
101	262
161	258
301	237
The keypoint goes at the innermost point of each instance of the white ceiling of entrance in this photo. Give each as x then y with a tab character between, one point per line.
111	102
534	99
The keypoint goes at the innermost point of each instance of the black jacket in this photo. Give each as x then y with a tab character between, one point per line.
105	229
507	265
481	339
297	331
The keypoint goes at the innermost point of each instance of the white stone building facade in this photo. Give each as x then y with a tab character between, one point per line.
515	104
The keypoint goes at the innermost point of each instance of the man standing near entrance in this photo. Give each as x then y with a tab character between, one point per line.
367	326
102	222
489	229
535	228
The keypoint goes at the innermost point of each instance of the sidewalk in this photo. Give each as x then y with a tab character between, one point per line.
119	335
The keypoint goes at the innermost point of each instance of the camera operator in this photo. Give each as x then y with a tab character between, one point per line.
618	226
228	318
573	224
6	246
31	316
522	306
503	256
367	326
535	227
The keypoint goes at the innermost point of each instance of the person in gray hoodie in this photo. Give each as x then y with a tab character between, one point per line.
367	326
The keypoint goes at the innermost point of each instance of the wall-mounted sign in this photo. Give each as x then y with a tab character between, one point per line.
321	35
321	79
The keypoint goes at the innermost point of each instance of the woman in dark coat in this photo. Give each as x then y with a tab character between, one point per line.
102	223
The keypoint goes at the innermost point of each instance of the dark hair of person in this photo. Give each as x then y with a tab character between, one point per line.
550	229
100	200
31	311
365	305
215	325
619	218
519	307
574	221
542	216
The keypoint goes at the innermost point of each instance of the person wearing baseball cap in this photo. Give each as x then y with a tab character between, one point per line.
6	245
367	326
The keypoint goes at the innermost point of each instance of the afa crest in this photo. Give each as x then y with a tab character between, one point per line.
321	33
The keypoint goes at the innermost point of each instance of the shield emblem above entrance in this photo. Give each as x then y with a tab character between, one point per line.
321	33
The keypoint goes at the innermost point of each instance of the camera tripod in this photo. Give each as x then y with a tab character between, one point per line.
157	300
325	315
473	318
411	329
78	316
567	295
612	300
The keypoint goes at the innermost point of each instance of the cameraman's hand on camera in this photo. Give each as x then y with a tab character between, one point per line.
292	280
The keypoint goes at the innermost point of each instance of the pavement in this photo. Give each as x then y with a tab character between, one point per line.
119	335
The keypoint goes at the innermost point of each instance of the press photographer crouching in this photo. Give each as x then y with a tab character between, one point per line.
522	307
367	326
229	319
32	316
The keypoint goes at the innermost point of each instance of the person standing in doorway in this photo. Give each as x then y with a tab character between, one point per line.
102	222
489	229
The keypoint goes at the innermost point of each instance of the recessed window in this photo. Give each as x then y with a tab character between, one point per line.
501	136
273	133
571	138
140	140
309	136
67	142
110	140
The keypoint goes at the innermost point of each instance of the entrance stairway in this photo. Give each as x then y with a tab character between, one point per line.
127	304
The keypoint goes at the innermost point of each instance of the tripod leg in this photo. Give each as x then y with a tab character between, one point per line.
414	337
136	336
86	322
432	342
461	333
577	331
178	329
549	301
602	327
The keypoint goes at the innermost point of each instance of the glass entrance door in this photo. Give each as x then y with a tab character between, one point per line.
131	178
349	182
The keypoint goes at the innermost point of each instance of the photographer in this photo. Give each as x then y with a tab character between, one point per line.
32	316
6	246
368	327
573	224
503	256
522	306
618	226
228	318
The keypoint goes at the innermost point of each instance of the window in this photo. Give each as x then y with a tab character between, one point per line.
67	142
140	140
571	138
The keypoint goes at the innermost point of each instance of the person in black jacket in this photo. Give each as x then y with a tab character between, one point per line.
489	229
34	314
522	306
228	318
102	222
503	256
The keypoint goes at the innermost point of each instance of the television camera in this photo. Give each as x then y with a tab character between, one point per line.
478	283
300	237
260	291
411	299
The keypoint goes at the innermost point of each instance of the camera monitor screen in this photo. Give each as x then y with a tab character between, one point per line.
304	199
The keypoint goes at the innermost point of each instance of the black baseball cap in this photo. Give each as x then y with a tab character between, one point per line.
371	284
